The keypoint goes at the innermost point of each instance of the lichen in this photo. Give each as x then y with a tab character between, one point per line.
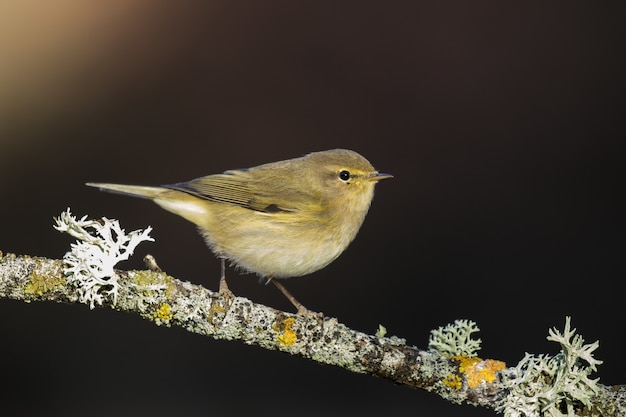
453	381
478	371
455	339
42	283
153	283
381	332
556	385
286	335
163	314
89	265
216	310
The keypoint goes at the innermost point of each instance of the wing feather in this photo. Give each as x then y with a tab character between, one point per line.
254	192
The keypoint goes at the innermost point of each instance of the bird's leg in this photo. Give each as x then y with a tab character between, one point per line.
224	290
302	310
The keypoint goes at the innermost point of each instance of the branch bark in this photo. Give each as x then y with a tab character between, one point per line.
167	301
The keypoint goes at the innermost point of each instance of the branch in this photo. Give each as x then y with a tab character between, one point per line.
167	301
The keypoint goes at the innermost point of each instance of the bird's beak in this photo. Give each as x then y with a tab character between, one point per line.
379	176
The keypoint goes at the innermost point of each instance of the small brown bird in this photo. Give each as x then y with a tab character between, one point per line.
279	220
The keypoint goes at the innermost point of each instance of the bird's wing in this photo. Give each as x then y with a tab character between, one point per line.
240	188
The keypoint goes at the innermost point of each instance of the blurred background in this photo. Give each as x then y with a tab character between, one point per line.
503	125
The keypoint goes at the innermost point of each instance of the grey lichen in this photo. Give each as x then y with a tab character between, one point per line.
455	339
556	385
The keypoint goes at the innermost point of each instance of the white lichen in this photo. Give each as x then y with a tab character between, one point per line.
455	339
90	263
556	385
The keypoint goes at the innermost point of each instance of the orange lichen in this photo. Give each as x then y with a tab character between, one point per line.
477	370
287	336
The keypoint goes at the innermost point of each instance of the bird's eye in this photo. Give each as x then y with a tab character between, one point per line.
344	175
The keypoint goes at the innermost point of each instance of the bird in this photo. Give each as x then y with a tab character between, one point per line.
282	219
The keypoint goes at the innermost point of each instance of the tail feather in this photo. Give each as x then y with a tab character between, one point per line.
190	207
132	190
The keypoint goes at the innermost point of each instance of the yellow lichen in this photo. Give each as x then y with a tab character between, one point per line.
287	336
477	370
152	278
41	283
453	381
163	314
215	311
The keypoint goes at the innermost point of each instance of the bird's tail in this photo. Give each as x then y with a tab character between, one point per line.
190	207
132	190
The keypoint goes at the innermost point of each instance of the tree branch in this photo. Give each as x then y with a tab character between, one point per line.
167	301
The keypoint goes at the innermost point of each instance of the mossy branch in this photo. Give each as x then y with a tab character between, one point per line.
167	301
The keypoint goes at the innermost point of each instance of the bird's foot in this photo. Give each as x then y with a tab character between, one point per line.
302	310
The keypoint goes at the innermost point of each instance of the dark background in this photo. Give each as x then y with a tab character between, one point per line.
503	126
